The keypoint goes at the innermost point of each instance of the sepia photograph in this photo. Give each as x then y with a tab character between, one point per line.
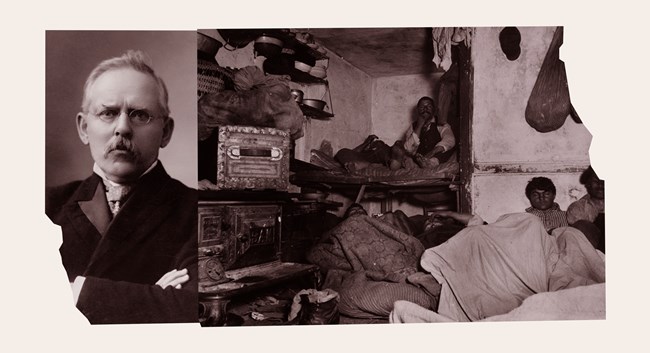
394	175
129	227
324	177
344	176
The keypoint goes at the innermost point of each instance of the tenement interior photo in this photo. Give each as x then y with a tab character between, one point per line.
322	176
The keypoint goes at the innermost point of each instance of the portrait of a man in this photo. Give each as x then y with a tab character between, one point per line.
128	225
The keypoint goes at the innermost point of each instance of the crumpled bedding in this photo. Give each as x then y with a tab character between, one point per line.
577	303
258	100
375	170
450	167
371	265
489	270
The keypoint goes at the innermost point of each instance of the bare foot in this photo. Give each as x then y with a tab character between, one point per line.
419	160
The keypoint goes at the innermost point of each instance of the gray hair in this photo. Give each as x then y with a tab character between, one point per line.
133	59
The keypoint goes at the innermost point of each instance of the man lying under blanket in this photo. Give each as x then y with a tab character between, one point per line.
488	270
482	271
373	262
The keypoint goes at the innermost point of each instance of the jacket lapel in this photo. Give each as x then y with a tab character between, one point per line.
87	222
96	210
147	206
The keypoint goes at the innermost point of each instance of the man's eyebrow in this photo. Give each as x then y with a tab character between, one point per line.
118	106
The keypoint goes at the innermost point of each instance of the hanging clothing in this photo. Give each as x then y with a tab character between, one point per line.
444	38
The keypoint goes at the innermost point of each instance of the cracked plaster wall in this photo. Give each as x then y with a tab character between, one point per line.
507	152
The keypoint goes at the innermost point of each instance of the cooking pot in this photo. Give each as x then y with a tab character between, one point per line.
314	103
268	46
238	38
318	71
207	45
302	66
280	64
297	95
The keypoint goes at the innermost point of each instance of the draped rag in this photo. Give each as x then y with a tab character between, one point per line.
371	264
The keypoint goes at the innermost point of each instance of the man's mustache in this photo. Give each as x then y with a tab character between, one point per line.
121	144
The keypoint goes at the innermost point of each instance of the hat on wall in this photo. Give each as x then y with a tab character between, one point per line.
510	40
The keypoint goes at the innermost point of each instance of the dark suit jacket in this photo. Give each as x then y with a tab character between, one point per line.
154	233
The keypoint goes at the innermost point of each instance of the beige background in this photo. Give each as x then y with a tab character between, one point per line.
607	86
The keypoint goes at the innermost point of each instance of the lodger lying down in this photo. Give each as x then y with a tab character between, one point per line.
484	272
513	270
373	262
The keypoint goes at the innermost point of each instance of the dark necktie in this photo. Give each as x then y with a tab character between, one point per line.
116	195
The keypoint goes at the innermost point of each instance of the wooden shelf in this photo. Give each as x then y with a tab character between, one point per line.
283	64
315	113
248	279
303	77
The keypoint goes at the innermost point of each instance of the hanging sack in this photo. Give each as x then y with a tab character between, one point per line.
257	100
549	104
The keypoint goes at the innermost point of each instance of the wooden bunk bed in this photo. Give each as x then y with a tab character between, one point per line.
375	184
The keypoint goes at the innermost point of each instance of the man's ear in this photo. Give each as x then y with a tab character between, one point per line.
82	125
168	129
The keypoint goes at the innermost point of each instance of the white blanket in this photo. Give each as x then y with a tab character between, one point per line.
489	270
577	303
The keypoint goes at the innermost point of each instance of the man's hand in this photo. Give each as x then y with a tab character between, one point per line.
424	162
174	278
435	151
460	217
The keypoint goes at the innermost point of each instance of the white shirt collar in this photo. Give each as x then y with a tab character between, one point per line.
97	170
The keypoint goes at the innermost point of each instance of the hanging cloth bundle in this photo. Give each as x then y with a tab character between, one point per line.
549	104
257	100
